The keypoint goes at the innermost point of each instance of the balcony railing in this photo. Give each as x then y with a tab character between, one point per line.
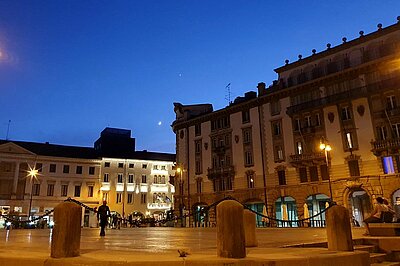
296	158
159	206
387	144
213	173
347	95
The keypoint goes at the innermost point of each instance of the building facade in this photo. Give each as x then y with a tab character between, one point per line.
327	128
131	181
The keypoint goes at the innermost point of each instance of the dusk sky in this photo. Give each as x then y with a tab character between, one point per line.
68	69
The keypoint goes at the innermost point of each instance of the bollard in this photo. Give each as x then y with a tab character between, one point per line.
249	222
66	236
338	229
230	230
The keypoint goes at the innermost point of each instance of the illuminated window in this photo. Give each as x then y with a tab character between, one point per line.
299	147
388	166
250	180
349	140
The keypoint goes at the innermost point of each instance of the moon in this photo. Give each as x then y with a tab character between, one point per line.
159	123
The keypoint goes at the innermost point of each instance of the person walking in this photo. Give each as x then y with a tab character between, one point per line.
102	215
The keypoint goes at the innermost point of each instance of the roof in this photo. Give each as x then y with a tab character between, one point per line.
55	150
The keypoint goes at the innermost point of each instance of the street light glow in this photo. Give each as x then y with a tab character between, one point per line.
178	170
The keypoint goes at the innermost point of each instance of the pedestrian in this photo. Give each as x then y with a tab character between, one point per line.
102	215
376	215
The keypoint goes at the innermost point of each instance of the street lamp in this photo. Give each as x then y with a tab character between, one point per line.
179	170
327	148
32	173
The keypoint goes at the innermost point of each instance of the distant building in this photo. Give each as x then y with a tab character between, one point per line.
131	181
265	148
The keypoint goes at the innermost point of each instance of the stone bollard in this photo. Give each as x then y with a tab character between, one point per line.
338	229
66	236
249	221
230	230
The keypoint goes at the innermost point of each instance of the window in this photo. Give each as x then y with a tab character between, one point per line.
324	172
91	170
313	173
317	120
144	166
381	132
197	147
296	125
130	178
276	128
155	167
50	189
107	164
90	191
106	178
198	186
346	113
308	121
353	168
163	167
131	165
130	198
246	116
247	135
299	147
275	108
36	190
143	198
64	190
197	129
119	178
119	197
248	158
198	166
282	177
66	169
303	175
120	165
39	167
250	180
349	140
396	130
388	166
144	179
278	153
391	102
53	168
79	169
77	192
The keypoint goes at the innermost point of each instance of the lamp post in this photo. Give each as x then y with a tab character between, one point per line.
179	170
327	148
32	173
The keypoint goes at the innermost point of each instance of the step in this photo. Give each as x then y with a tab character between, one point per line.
377	257
368	248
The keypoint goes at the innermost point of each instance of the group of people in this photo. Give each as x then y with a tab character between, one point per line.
382	212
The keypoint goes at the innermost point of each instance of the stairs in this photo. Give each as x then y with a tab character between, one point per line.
377	258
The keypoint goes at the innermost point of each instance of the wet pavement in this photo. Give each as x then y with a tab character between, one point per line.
159	239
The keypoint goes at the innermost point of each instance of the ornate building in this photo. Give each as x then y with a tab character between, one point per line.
131	181
328	127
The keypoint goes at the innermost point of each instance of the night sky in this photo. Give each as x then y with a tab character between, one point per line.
68	68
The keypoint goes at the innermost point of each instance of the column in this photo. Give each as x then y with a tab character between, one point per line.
16	176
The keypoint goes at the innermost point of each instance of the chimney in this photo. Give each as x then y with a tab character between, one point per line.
261	88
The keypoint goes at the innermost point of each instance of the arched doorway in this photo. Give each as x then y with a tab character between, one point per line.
396	203
257	206
316	204
200	214
285	209
360	205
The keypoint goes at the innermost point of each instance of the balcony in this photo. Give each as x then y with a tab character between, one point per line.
217	172
159	206
390	146
307	158
345	96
